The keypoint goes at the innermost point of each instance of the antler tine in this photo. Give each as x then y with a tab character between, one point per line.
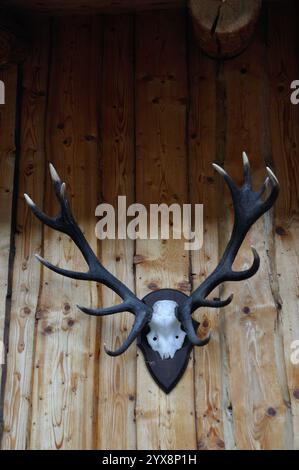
264	187
39	213
64	272
64	222
248	207
228	179
268	203
217	303
139	323
246	166
187	322
246	273
100	312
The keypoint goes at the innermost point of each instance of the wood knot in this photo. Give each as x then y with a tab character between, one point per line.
246	310
184	286
24	266
201	444
29	169
67	142
280	231
48	330
40	313
90	138
26	310
66	307
153	286
138	259
220	443
271	411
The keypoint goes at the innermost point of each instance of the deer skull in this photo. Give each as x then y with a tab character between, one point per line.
166	335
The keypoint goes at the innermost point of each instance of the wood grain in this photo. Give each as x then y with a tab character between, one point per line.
91	6
204	189
163	421
28	240
283	69
64	388
260	416
117	375
7	169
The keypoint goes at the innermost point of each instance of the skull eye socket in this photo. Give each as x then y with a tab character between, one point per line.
155	338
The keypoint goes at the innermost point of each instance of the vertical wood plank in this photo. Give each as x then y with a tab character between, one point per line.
260	416
7	167
204	189
64	389
28	239
283	69
117	378
163	421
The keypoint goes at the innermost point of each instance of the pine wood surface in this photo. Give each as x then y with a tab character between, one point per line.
128	105
8	149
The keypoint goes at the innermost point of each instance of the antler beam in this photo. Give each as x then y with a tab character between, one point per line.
64	222
248	207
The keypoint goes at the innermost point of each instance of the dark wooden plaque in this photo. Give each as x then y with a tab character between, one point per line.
165	372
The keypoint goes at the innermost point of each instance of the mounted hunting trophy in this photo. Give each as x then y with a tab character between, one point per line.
163	322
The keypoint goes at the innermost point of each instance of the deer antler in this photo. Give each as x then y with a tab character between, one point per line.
248	207
64	222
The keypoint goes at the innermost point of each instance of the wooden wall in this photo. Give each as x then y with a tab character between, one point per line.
63	7
126	104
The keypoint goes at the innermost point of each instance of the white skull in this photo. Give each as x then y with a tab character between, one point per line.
166	335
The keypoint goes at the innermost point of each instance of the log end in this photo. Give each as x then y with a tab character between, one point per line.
224	28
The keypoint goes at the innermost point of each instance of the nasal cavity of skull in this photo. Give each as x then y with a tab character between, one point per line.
166	335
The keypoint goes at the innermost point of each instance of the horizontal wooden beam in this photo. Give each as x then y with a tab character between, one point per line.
88	6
